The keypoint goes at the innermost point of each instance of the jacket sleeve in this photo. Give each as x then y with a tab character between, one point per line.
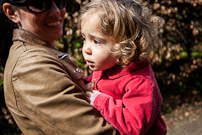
136	112
48	98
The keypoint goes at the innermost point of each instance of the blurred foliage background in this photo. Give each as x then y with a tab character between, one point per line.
177	66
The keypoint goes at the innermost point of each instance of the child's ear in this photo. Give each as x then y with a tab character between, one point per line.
10	13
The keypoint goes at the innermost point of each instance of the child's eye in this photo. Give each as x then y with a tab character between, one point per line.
96	42
84	39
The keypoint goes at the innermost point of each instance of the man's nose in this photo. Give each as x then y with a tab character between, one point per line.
54	10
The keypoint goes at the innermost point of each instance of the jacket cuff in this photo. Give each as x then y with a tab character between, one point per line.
92	98
100	100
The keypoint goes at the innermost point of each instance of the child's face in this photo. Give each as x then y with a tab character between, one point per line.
96	46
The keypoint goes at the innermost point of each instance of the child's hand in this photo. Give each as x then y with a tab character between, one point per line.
89	86
91	93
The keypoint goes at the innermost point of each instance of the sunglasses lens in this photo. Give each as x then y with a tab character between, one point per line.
60	3
39	6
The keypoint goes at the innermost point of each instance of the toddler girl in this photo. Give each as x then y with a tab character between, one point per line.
118	38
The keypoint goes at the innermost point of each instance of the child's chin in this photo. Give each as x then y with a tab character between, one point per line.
93	68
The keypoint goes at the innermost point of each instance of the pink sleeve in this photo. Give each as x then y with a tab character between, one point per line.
136	112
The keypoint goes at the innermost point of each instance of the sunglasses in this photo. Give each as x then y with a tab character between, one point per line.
39	6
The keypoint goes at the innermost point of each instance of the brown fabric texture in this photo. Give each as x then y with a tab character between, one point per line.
44	91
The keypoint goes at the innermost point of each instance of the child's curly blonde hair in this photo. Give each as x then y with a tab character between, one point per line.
130	24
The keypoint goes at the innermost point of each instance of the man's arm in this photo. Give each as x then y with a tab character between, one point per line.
53	103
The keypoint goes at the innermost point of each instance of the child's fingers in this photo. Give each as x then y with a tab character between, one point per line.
96	91
89	94
89	86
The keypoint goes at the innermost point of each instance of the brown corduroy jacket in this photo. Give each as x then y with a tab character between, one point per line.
44	91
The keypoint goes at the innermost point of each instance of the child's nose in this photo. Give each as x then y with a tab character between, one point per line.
87	49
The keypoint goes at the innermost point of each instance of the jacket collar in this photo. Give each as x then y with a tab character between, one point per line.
31	39
117	71
28	37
